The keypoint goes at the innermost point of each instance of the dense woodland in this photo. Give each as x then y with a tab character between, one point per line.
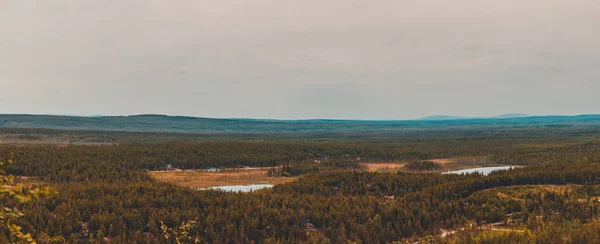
105	186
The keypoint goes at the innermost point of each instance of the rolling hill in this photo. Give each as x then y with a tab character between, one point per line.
162	123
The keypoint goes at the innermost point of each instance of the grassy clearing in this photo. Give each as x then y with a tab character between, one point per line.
203	179
384	167
448	164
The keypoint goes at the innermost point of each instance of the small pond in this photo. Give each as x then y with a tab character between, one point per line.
247	188
481	170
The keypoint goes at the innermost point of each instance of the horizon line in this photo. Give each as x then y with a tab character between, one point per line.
430	117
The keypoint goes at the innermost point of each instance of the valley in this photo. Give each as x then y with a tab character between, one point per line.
353	186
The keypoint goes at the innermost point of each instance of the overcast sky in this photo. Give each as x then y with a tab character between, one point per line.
384	59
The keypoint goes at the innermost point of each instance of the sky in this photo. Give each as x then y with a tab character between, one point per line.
300	59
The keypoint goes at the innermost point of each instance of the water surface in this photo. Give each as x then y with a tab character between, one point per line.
481	170
247	188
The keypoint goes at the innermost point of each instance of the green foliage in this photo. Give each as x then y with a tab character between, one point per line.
315	166
422	166
106	187
13	197
44	238
181	234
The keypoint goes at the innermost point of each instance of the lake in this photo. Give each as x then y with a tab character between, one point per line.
481	170
247	188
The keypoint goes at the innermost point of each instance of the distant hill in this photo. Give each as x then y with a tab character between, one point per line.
505	116
443	117
162	123
449	117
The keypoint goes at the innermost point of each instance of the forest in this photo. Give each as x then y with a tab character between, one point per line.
104	193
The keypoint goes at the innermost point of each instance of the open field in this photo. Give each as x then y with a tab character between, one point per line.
443	160
384	167
448	164
203	179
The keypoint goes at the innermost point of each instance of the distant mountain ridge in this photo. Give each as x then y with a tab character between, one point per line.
186	124
449	117
443	117
503	116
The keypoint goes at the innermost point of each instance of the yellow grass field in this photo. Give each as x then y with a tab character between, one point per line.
203	179
384	167
448	164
